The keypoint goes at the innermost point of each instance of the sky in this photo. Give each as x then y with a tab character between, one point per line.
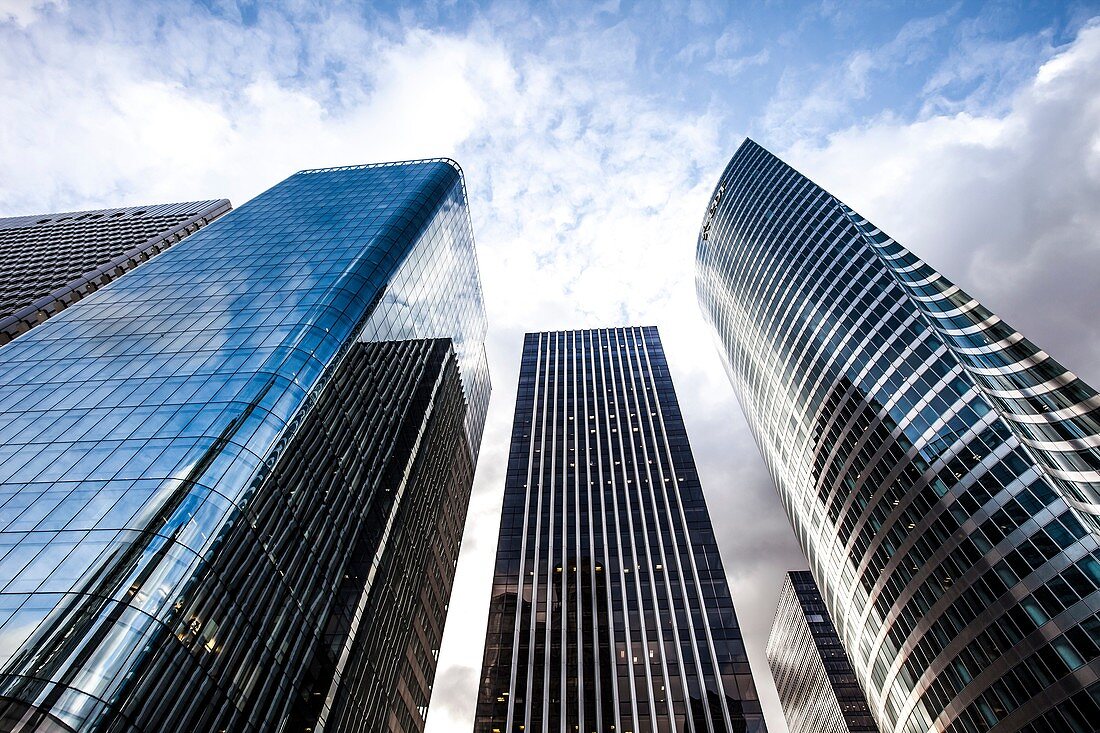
591	136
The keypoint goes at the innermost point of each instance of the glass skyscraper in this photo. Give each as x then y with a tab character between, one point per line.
815	681
233	481
938	469
49	261
610	609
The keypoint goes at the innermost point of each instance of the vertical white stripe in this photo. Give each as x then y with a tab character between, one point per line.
628	646
624	477
694	569
655	512
548	626
543	345
523	543
608	587
577	555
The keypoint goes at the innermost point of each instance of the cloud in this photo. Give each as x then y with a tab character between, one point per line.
1003	203
82	116
731	67
587	190
22	13
814	100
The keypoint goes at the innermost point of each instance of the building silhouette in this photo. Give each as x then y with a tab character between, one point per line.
610	608
816	684
939	470
234	479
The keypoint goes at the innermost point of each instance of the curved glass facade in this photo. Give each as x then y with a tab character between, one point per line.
957	562
162	564
1053	412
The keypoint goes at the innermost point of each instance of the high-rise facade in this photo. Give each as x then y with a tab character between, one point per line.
610	609
938	469
49	261
815	681
233	481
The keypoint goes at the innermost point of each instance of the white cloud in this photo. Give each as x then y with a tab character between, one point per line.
586	196
24	12
812	101
1002	203
731	67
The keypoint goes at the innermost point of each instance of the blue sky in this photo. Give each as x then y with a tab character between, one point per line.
591	136
866	58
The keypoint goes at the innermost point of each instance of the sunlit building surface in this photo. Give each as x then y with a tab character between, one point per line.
50	261
815	681
939	470
233	481
610	609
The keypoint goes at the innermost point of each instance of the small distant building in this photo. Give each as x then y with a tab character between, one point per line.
815	680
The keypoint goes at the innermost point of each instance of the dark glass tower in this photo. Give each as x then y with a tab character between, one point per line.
610	609
233	482
49	261
939	470
816	684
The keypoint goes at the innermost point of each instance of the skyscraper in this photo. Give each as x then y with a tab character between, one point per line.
610	610
49	261
233	481
938	469
815	681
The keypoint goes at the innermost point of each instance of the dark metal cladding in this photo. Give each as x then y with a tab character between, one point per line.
939	470
610	608
50	261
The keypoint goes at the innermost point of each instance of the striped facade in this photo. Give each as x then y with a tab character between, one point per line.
938	484
1049	408
610	608
814	679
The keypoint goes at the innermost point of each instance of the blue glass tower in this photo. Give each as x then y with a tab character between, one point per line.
939	470
233	481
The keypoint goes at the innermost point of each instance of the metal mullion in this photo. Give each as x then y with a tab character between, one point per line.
598	701
577	573
563	693
523	545
619	543
535	555
633	543
691	559
631	357
606	552
660	535
548	628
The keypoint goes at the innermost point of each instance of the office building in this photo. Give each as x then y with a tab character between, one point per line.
49	261
610	609
938	469
233	481
816	684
